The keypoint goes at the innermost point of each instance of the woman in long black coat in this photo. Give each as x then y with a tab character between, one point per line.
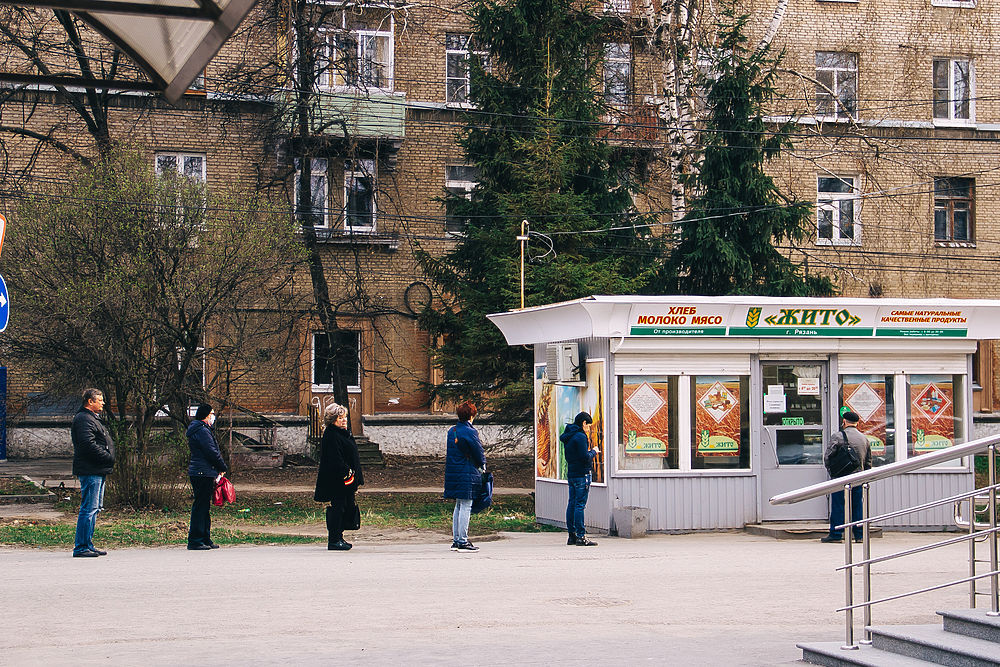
339	474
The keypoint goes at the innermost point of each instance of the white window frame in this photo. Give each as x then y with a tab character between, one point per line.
617	55
840	74
830	201
353	170
179	164
952	118
962	4
457	186
618	7
340	78
326	388
318	173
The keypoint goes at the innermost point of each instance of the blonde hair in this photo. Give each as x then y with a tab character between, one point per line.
333	413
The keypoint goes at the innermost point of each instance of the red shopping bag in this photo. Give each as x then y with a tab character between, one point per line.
224	492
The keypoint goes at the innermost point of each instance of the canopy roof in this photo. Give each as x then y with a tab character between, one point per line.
745	317
171	40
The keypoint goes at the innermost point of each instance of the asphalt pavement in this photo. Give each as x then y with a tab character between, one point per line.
697	599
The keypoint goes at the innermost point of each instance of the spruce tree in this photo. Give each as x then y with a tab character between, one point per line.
538	140
727	240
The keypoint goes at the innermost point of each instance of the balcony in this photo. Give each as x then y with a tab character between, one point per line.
360	113
632	124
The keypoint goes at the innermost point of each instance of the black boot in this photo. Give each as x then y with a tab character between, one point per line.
333	529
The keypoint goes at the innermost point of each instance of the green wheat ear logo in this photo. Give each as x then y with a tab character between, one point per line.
753	317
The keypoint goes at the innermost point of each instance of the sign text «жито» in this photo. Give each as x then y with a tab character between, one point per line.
812	317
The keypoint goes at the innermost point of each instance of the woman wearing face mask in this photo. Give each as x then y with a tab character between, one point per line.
206	467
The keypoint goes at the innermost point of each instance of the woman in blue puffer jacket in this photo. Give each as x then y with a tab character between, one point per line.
463	474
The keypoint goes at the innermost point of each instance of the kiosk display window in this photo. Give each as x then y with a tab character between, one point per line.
720	422
556	405
872	398
936	412
648	428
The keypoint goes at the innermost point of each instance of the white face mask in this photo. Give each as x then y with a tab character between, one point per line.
210	420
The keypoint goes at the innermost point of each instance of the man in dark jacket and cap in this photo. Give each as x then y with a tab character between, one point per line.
849	436
93	460
579	460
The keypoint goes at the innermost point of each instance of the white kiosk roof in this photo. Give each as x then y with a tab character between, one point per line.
742	317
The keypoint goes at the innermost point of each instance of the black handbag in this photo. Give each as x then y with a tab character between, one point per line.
484	497
843	459
352	517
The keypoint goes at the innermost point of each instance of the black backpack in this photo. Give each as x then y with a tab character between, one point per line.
843	460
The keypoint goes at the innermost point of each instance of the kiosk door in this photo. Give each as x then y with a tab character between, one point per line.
793	436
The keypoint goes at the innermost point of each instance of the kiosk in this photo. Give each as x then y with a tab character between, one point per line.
705	407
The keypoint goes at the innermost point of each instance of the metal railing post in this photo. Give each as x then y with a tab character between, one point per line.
848	572
972	552
866	554
991	466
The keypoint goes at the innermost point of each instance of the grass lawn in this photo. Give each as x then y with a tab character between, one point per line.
18	486
236	523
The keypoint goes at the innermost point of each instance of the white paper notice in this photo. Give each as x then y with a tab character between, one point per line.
774	403
808	386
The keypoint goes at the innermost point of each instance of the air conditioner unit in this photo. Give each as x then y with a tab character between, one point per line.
562	361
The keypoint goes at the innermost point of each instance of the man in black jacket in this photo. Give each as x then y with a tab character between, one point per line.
93	459
579	463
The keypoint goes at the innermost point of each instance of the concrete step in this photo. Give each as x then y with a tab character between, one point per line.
973	623
934	644
832	655
796	530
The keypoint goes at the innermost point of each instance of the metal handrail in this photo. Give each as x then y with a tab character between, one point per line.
890	470
916	550
989	445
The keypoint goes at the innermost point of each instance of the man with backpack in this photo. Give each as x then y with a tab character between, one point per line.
840	462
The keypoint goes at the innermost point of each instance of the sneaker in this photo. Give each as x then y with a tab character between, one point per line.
454	546
572	540
199	547
584	542
99	552
85	554
465	546
831	538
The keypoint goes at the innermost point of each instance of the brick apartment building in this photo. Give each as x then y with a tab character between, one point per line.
900	115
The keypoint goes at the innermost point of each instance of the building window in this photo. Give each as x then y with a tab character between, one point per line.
648	425
361	59
344	358
320	209
359	195
872	397
617	74
720	422
936	414
459	181
189	170
191	166
953	90
837	210
836	84
954	209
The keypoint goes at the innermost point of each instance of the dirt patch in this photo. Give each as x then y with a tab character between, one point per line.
399	472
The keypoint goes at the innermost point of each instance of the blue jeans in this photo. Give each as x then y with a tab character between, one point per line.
91	502
579	490
460	520
837	512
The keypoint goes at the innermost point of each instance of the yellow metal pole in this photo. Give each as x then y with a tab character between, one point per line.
523	239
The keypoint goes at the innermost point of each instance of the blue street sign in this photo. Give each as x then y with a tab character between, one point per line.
4	305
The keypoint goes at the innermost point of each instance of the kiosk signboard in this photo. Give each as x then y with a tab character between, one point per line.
798	320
